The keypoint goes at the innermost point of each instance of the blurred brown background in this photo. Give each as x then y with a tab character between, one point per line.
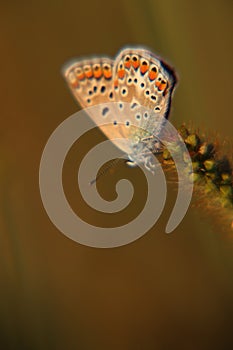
160	292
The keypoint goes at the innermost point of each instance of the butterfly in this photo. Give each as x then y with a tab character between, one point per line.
132	94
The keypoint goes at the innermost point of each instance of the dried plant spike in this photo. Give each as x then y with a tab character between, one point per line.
210	164
183	131
192	141
211	174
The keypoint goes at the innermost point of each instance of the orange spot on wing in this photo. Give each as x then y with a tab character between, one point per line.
107	73
89	74
98	73
121	73
116	83
162	86
73	80
157	83
74	84
128	64
81	76
152	75
144	68
136	64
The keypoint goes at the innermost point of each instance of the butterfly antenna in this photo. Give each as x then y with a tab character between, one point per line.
112	164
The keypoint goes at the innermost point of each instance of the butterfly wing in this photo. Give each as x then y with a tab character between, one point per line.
136	78
90	80
91	83
141	78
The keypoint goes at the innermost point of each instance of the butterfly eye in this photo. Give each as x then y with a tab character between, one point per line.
153	72
157	109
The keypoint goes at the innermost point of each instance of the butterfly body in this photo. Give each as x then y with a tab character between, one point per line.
140	87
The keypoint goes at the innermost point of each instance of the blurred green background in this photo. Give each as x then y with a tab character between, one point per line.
160	292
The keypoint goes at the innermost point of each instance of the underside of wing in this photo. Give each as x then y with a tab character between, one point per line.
90	80
141	78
